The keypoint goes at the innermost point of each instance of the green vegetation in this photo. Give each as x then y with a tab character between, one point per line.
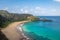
33	18
6	17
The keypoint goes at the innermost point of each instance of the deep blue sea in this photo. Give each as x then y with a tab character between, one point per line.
39	30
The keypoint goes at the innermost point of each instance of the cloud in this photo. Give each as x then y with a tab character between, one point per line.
21	10
37	8
6	8
24	10
57	0
41	11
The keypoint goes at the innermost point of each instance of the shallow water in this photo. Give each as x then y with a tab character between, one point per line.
43	30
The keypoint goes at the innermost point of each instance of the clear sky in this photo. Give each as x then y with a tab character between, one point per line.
35	7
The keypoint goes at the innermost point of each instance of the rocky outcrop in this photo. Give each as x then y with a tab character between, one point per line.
45	20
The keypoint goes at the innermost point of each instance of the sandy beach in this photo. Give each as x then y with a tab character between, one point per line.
11	32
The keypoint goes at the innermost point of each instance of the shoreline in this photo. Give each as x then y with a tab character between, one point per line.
19	28
12	32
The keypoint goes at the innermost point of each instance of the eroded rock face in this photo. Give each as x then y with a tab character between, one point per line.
2	36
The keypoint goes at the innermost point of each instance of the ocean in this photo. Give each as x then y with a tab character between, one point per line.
39	30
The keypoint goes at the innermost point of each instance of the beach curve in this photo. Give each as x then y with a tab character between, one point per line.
11	31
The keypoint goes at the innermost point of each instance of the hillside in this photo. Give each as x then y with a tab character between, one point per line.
6	17
13	16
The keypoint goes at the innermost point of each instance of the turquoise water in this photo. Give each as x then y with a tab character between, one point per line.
42	30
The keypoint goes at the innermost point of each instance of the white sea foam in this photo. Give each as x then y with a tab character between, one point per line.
19	27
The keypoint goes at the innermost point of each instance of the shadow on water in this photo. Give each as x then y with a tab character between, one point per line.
34	36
